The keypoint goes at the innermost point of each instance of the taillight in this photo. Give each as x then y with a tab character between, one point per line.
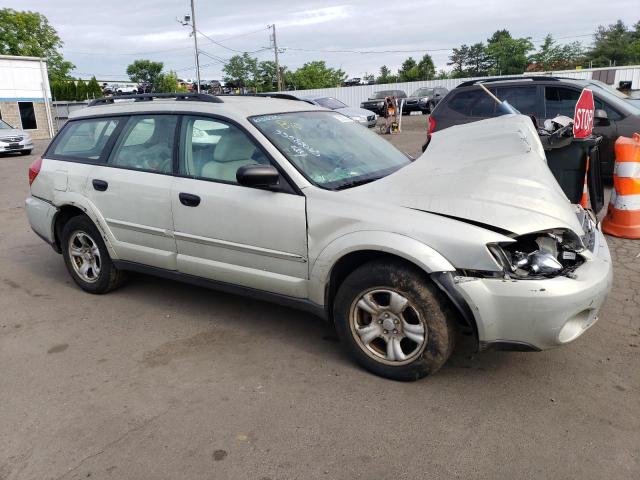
34	169
432	125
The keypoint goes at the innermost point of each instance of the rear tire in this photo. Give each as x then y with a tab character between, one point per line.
87	258
393	321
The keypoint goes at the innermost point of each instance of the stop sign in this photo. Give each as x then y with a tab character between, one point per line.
583	115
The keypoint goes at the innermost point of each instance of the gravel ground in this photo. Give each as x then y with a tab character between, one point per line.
160	380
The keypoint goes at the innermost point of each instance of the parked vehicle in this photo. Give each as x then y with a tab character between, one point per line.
424	99
360	115
14	140
375	103
352	82
286	201
542	98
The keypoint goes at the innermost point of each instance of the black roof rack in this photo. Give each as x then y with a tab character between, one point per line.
507	79
147	97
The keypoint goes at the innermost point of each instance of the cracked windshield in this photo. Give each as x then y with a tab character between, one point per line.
331	150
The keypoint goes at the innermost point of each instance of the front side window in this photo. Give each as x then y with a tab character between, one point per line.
146	144
331	150
84	140
4	125
612	114
560	101
215	150
27	115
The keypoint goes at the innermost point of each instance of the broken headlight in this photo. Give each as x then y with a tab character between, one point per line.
539	255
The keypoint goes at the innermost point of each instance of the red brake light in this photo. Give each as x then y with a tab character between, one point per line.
34	169
432	125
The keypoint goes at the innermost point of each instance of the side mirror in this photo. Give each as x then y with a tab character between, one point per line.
601	119
258	176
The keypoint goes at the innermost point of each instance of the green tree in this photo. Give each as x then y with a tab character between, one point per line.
70	90
458	59
267	78
168	83
442	75
316	74
615	45
386	76
408	72
508	55
81	90
30	34
551	56
426	68
93	88
477	62
241	71
145	71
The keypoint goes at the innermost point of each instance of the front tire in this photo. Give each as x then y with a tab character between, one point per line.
87	258
393	321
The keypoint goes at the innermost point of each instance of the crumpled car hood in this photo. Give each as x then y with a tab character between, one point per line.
492	172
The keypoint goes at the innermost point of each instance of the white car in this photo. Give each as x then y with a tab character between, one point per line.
287	201
14	140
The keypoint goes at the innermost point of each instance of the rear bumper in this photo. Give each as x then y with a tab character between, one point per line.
41	216
539	314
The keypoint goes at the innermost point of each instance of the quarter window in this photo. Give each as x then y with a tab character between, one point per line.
146	144
214	150
84	139
27	115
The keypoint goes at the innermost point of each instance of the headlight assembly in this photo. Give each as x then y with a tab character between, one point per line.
539	255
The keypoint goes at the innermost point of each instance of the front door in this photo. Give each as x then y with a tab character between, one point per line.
133	191
230	233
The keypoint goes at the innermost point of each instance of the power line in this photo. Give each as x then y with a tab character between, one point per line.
127	54
229	48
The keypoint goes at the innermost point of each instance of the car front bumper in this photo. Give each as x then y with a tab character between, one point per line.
8	147
539	314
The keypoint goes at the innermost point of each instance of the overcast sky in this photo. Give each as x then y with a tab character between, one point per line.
102	37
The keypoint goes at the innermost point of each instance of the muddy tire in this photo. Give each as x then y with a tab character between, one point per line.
87	258
394	321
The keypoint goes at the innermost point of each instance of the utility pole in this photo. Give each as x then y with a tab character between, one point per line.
195	44
275	49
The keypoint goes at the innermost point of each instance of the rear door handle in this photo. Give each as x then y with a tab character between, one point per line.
100	185
189	200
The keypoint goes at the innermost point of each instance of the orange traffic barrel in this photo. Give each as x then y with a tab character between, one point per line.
584	201
623	216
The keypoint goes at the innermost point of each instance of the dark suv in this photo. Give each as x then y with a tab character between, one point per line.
541	97
375	103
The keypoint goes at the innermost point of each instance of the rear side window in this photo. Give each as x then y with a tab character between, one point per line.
522	98
146	144
473	103
560	101
84	140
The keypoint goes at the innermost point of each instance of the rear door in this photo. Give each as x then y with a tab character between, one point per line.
230	233
524	98
464	106
132	191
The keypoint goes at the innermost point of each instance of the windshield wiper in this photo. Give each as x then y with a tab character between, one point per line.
355	183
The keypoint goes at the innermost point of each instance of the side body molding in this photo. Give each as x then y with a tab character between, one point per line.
402	246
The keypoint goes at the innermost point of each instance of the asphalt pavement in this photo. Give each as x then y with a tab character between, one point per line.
161	380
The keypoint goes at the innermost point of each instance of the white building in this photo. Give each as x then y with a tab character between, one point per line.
25	95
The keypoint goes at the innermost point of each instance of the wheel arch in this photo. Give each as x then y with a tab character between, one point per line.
64	214
331	273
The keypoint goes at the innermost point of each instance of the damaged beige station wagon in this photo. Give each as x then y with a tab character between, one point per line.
286	201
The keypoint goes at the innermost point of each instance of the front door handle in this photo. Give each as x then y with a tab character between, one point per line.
189	200
100	185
